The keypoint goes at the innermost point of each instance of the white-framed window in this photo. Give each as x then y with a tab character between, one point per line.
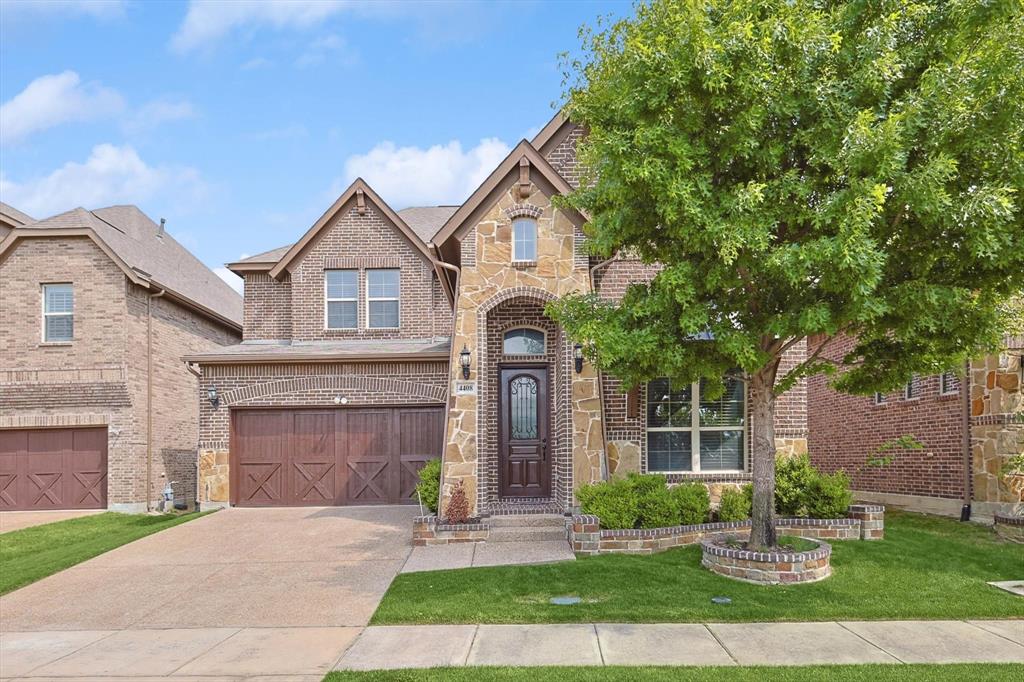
341	299
382	296
523	341
949	383
524	240
58	313
879	398
910	390
687	433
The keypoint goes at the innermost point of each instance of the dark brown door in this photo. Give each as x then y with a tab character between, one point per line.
53	469
322	457
525	463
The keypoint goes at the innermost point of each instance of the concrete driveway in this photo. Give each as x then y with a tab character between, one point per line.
240	592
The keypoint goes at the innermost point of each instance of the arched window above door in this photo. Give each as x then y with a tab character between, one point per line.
523	341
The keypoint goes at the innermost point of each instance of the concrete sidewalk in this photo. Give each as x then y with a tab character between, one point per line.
895	642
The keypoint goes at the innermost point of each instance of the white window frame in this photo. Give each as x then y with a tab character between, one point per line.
879	398
533	223
694	430
45	314
945	379
396	299
328	300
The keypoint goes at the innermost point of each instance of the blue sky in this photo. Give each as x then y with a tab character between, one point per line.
240	122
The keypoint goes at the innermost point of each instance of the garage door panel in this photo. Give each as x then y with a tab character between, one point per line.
312	463
332	456
53	469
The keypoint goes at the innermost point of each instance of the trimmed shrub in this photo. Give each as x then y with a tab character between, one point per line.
804	492
614	502
793	478
735	504
829	496
692	502
429	486
646	484
657	508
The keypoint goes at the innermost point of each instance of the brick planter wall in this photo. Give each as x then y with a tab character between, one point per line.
768	568
1010	527
865	522
426	530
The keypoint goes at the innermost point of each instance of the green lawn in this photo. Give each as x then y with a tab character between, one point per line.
926	568
31	554
972	672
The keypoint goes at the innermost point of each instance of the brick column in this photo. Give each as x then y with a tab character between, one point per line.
872	520
585	534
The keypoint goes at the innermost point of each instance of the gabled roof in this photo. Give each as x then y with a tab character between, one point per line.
149	257
540	170
14	217
358	186
261	261
425	221
552	133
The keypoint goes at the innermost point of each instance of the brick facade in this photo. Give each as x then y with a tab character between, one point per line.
100	378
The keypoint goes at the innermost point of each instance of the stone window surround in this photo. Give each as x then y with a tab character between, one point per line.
694	430
515	212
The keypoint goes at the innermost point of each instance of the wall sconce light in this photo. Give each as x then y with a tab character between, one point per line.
577	356
464	360
211	394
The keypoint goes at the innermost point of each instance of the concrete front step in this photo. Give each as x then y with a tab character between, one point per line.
526	520
527	534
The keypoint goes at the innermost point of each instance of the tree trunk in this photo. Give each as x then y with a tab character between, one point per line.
762	430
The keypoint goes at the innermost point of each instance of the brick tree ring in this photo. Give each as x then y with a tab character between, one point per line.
768	568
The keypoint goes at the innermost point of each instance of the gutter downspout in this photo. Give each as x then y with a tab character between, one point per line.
149	397
605	475
965	425
451	362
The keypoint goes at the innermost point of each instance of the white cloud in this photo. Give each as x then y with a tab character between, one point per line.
206	22
100	9
158	111
319	50
110	175
54	99
233	280
410	176
256	63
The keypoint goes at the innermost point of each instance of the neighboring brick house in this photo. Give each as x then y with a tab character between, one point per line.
97	409
969	423
384	338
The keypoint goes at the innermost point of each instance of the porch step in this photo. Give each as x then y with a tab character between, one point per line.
521	520
526	534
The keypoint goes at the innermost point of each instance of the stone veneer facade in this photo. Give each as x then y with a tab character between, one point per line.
494	295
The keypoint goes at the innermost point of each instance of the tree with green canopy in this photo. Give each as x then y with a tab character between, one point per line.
800	169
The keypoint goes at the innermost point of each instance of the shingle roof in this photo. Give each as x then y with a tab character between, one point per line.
137	241
13	216
349	349
426	221
271	256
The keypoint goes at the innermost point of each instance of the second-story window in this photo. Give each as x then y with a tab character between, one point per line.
341	290
382	295
524	240
58	313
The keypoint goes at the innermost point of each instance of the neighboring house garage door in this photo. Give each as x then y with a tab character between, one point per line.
331	456
53	469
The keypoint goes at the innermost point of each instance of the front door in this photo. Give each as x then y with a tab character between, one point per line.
523	450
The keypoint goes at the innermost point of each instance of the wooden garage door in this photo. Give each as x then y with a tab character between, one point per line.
53	469
344	456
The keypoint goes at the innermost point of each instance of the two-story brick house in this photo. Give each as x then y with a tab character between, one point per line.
382	338
97	410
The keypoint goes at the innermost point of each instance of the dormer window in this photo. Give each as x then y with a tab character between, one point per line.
524	240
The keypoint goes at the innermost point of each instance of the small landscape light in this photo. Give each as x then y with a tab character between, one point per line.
721	600
565	601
